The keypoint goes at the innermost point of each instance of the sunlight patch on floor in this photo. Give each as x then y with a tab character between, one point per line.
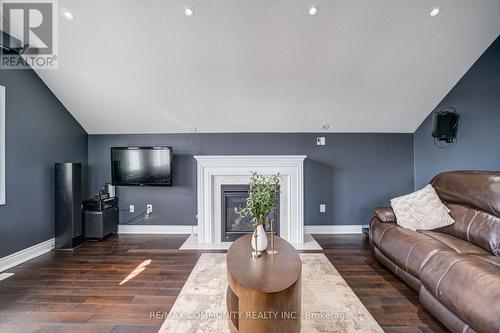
138	270
3	276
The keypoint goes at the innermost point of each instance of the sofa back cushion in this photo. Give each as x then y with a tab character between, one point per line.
477	189
475	226
473	198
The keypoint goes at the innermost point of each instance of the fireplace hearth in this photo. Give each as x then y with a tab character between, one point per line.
233	225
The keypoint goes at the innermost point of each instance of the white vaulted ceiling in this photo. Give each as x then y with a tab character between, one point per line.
142	66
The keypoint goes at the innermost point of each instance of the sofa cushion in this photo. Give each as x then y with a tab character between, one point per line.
408	249
457	244
475	226
421	210
495	261
468	285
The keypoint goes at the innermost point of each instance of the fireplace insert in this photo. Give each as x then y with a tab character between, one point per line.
233	225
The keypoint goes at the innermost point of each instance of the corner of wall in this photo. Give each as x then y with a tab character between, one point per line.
414	158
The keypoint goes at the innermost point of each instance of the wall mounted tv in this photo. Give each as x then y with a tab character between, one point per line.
141	166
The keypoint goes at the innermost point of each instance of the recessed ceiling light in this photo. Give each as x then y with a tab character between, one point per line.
435	11
325	127
313	10
189	11
66	14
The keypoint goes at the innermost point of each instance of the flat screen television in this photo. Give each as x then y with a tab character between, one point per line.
141	166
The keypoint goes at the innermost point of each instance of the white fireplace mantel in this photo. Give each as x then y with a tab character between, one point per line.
210	169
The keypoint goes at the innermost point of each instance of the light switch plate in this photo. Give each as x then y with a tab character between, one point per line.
131	208
322	208
320	141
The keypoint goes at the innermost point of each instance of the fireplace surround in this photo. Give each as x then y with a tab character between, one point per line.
213	171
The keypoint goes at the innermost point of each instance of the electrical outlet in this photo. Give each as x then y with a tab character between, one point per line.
149	208
322	208
131	208
320	141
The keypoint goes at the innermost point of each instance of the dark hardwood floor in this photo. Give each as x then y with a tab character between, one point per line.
88	290
390	301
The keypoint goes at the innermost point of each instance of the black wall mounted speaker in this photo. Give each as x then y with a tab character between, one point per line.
68	206
444	125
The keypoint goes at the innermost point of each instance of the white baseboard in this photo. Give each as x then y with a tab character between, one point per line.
332	229
27	254
156	229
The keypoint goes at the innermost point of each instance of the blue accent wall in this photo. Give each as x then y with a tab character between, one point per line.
477	99
351	174
39	132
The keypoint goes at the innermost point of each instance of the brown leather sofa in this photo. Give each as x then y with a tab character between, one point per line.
455	269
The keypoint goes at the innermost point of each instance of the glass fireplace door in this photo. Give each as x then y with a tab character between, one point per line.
233	225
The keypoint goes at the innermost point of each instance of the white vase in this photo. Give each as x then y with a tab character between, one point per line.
259	243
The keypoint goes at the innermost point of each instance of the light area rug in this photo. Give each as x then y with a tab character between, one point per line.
328	304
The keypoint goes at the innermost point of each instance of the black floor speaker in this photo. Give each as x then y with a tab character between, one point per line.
68	206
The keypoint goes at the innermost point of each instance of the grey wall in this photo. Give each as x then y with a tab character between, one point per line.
352	174
39	132
477	99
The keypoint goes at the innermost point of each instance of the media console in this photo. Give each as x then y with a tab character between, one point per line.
100	218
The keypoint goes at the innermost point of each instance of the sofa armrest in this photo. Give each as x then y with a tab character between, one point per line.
385	214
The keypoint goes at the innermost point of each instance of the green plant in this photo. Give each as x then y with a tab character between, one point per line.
261	199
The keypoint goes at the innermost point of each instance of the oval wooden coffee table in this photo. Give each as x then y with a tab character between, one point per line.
264	294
